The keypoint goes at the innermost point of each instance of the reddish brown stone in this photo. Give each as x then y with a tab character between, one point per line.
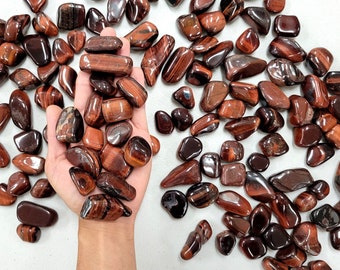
24	79
61	51
305	236
116	109
164	123
48	72
319	60
93	138
18	183
258	188
93	115
133	91
318	154
137	151
213	22
243	127
269	263
233	202
213	94
137	10
142	36
252	247
248	41
42	189
237	225
307	135
273	95
300	111
202	194
271	119
5	197
291	255
286	47
231	109
231	9
29	164
11	54
185	96
233	174
246	92
273	145
36	5
190	26
315	91
275	6
46	95
4	156
43	24
260	218
21	109
287	25
28	233
198	74
258	18
76	39
215	56
205	124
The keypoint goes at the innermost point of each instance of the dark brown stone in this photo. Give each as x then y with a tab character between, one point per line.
318	154
118	133
225	242
300	111
307	135
181	118
287	25
18	183
38	48
246	92
202	194
62	52
115	10
164	123
237	225
270	119
175	203
137	10
315	92
103	83
233	174
20	106
215	56
332	80
276	237
326	217
48	72
24	79
95	21
70	126
213	94
36	5
260	218
291	255
210	164
258	188
258	18
28	141
273	96
258	162
28	233
185	96
70	16
252	247
199	6
189	148
305	236
231	8
42	189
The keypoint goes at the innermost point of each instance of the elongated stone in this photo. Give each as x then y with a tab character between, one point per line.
332	80
155	145
225	242
237	225
231	8
248	41
305	236
93	114
36	215
38	48
318	154
202	194
291	255
137	151
246	92
133	91
243	66
175	203
181	118
320	188
11	54
315	92
307	135
116	109
326	217
137	10
16	27
210	164
205	124
300	111
62	51
231	151
260	218
335	238
258	188
46	95
273	145
155	57
258	162
24	79
270	119
76	40
187	173
43	24
189	148
70	126
164	123
273	96
70	16
291	179
318	265
177	64
4	156
118	133
215	56
36	5
252	247
233	202
102	63
48	72
84	158
185	96
67	77
29	164
5	197
243	127
275	6
104	207
203	44
18	183
115	10
142	36
95	21
28	233
334	106
287	25
283	72
28	141
20	107
286	47
103	44
192	246
258	18
233	174
198	74
204	229
189	26
319	61
115	186
212	22
214	92
42	189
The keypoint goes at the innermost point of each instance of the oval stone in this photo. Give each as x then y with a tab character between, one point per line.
29	164
202	194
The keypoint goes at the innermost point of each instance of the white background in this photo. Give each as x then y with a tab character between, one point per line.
159	238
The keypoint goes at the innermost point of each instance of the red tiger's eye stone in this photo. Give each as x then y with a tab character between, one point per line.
70	126
42	189
315	91
276	237
185	96
319	60
300	111
36	5
71	16
318	154
202	194
291	255
20	106
231	8
215	56
76	39
205	124
213	22
214	93
231	109
46	95
248	41
24	79
287	25
116	109
237	225
258	188
233	202
137	151
189	148
190	26
305	201
5	197
18	184
231	151
274	6
252	247
243	127
4	156
244	91
137	10
273	95
93	138
62	51
286	47
233	174
260	218
273	144
11	54
305	236
43	24
28	233
258	18
225	242
269	263
95	21
164	123
258	162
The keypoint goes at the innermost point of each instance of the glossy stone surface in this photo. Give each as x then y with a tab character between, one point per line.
291	255
36	5
258	188
30	213
155	145
305	201
205	124
62	52
283	72
6	198
271	119
101	63
231	151
231	109
103	83
215	56
28	141
11	54
137	10
70	16
204	229
48	72
332	80
231	8
273	145
70	126
214	93
115	186
133	91
118	133
315	91
142	36
190	26
243	127
175	203
76	40
285	211
233	174
29	164
20	107
203	44
202	194
307	135
164	123
199	6
155	57
4	156
185	96
198	74
319	61
246	92
320	188
177	64
237	225
318	154
4	72
334	106
103	44
275	6
273	96
252	247
93	138
189	148
28	233
137	151
187	173
336	180
248	41
24	79
46	95
319	265
103	207
181	118
225	242
115	10
333	136
335	238
291	179
260	218
112	159
192	246
18	184
234	203
287	25
300	111
286	47
326	217
95	21
85	159
93	114
243	66
305	236
258	162
269	263
212	22
116	109
276	237
43	24
325	121
38	48
42	189
258	18
16	27
210	164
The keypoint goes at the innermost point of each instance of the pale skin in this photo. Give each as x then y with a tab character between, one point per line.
101	244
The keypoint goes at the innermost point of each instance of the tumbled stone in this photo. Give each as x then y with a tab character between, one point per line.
326	217
233	202
260	218
36	5
185	96
116	109
4	156
305	201
137	151
189	148
62	51
258	18
205	124
164	123
18	183
315	91
269	263
5	197
320	188
43	24
300	111
190	26
70	16
318	154
118	133
28	233
319	265
215	56
307	135
258	188
155	145
231	109
275	6
286	47
210	164
233	174
202	194
332	80
95	21
142	36
4	72
175	203
30	213
252	247
76	40
103	44
319	60
93	138
237	225
305	236
287	25
270	119
243	127
16	27
28	141
258	162
93	114
187	173
42	189
204	229
246	92
38	48
273	145
46	95
248	41
115	10
225	242
335	238
198	74
133	91
48	72
24	79
273	96
137	10
231	8
276	237
199	7
29	164
214	92
212	22
231	151
103	83
20	106
203	44
70	126
181	118
291	255
243	66
192	246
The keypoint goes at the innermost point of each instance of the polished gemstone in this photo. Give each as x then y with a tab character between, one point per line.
177	64
248	41
275	6
20	106
233	174
133	91
4	72
190	26
307	135
200	6
115	186
225	242
5	197
335	238
48	72
231	8
186	173
231	109
325	121
70	126
234	203
28	141
243	66
332	80
203	44
103	44
47	95
76	40
29	164
284	72
246	92
214	92
16	27
30	213
205	124
319	61
202	194
212	22
326	217
258	162
18	183
273	96
231	151
184	96
291	179
319	265
43	24
24	79
210	164
287	25
4	156
189	148
38	48
305	201
315	91
175	203
62	51
204	229
291	255
164	123
318	154
239	226
95	21
305	236
67	77
115	10
103	83
155	57
137	10
42	189
320	188
198	74
70	16
258	188
300	111
28	233
93	115
269	263
137	151
116	109
118	133
182	118
215	56
288	48
258	18
260	218
93	138
271	120
155	145
252	247
276	237
142	36
36	5
192	246
273	145
104	207
243	127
